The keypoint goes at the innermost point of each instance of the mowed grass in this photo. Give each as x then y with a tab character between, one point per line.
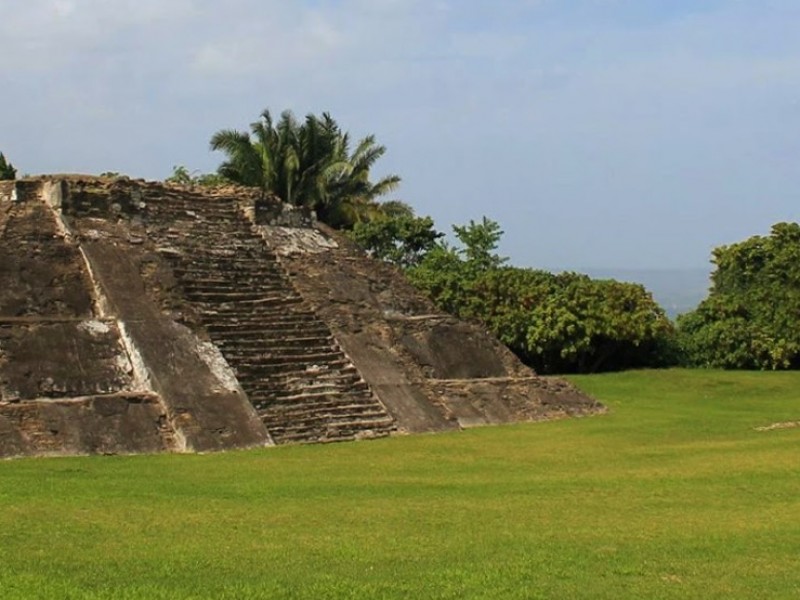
673	494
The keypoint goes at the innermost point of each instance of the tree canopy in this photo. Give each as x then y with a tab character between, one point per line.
751	318
554	323
396	235
306	163
7	170
182	176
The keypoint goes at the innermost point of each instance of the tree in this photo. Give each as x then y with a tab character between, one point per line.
480	242
182	176
7	170
750	318
348	195
307	164
396	235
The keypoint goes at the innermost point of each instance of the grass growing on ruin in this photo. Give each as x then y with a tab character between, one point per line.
673	494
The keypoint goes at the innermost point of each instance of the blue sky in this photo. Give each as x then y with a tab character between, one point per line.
599	133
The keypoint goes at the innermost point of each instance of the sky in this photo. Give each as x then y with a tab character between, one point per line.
632	134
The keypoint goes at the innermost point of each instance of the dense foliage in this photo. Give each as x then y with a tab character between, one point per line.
308	163
7	170
182	176
396	235
555	323
751	318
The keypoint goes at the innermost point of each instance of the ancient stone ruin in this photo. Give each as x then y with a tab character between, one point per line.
141	317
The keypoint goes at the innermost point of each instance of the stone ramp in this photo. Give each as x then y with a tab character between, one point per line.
66	384
41	273
304	388
502	400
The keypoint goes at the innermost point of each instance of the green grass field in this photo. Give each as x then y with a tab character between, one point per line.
673	494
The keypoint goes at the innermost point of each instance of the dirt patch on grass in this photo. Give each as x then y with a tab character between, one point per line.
784	425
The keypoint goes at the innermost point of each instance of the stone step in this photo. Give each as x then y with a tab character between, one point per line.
311	330
189	200
195	205
306	435
331	381
237	277
266	312
284	433
272	341
221	218
275	355
209	235
205	232
227	246
253	316
198	209
244	298
218	280
356	389
322	401
250	257
244	327
218	219
341	378
278	319
252	313
274	346
327	415
332	432
260	370
289	370
220	246
209	263
319	359
223	287
229	258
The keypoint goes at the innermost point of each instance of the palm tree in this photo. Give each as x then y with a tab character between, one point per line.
347	194
253	161
306	164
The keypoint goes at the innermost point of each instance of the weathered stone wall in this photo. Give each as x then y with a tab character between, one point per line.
124	423
446	348
41	273
61	359
66	379
489	401
271	211
18	191
8	191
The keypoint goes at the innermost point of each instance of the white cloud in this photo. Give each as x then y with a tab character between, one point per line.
48	34
534	107
275	45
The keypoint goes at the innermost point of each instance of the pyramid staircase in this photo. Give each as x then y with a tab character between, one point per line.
300	382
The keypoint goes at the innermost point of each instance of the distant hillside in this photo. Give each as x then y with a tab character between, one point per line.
677	290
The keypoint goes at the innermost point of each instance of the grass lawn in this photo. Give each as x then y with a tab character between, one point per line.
673	494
